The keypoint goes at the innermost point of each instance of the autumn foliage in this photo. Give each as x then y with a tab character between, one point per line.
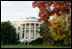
59	7
60	25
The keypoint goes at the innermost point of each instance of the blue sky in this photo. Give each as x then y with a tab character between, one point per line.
14	10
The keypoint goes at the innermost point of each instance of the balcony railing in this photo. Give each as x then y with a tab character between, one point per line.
31	28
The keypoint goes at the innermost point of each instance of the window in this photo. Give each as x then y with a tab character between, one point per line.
37	26
27	34
32	34
27	25
32	26
23	34
18	28
23	26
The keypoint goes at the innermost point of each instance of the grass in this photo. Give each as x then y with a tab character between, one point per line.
30	46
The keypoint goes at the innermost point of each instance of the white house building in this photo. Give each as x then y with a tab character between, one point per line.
27	29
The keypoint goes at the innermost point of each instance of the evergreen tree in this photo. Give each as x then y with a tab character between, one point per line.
8	34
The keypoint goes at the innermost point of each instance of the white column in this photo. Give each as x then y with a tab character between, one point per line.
35	31
25	31
39	27
29	30
39	30
20	32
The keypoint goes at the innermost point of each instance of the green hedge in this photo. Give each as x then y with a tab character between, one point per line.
38	41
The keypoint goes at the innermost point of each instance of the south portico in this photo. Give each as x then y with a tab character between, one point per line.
28	29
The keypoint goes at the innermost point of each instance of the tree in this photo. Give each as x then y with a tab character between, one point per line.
60	7
8	34
59	27
46	35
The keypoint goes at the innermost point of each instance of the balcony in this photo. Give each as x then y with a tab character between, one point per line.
32	26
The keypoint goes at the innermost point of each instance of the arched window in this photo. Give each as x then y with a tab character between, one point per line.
32	25
37	26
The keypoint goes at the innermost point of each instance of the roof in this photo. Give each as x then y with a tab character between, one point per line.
29	19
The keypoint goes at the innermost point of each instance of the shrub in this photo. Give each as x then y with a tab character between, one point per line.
38	41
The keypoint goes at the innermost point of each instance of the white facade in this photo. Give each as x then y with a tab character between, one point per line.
27	29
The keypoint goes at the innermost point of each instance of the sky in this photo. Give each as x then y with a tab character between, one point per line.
14	10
